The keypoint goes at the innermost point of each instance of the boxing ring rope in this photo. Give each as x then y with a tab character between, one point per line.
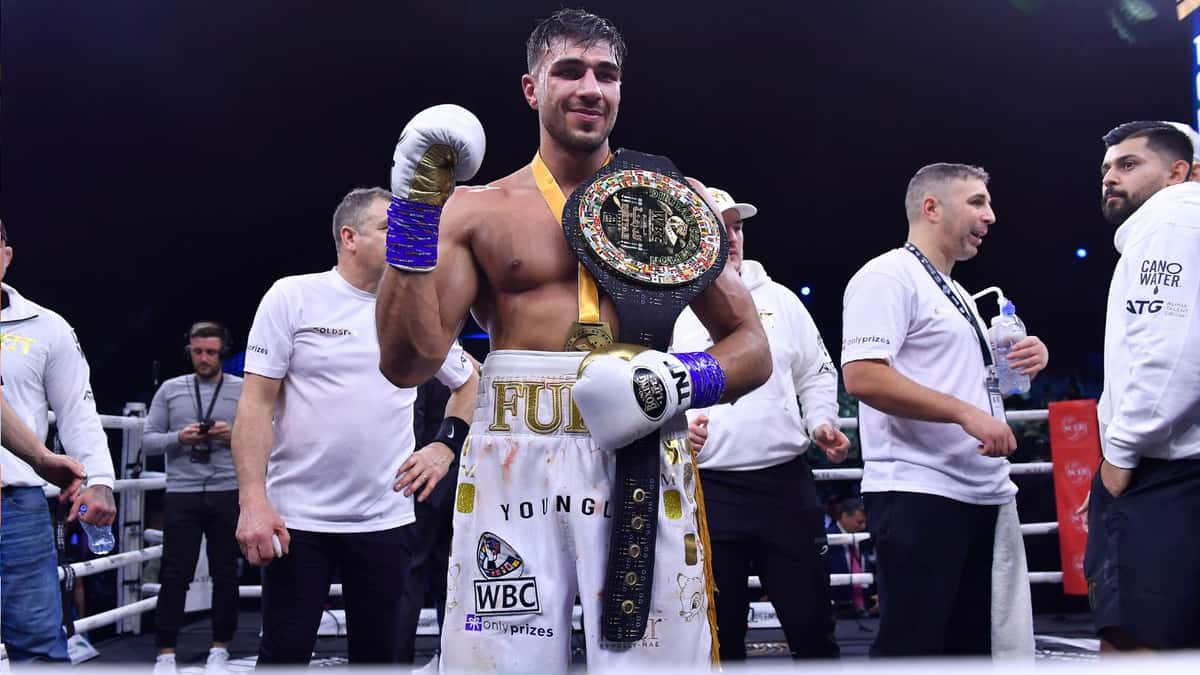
132	593
97	565
1023	469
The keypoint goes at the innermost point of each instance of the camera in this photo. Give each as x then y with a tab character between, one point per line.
206	425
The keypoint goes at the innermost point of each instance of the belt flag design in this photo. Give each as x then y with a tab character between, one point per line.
652	244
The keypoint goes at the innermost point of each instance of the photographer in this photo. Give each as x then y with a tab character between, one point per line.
191	421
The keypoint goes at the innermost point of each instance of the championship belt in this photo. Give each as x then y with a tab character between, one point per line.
652	244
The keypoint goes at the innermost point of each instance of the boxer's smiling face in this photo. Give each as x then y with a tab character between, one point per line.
966	216
576	91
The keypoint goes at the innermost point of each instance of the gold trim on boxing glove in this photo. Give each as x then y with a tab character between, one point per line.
433	178
621	350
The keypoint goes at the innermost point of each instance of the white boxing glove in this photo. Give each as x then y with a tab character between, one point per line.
623	399
441	145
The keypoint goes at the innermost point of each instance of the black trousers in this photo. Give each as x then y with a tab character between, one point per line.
768	522
933	573
187	516
296	587
1143	559
429	543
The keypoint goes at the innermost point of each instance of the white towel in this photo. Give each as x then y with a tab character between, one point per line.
1012	608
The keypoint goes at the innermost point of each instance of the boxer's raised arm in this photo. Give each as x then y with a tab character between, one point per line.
418	315
425	294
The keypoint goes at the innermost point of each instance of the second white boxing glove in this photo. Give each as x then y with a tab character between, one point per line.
623	399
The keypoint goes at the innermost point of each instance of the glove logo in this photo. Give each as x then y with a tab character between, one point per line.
650	393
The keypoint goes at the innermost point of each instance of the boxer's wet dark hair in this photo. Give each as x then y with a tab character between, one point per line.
576	26
1161	137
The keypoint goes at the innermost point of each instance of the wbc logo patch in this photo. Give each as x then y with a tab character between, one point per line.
496	558
505	590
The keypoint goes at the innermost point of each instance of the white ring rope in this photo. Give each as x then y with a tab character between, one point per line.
150	480
112	616
97	565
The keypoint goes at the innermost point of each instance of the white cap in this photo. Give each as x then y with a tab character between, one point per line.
725	202
1192	136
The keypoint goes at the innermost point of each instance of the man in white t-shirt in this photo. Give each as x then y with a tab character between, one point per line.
320	441
751	459
934	436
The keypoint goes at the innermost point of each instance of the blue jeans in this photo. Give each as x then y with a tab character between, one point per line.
31	609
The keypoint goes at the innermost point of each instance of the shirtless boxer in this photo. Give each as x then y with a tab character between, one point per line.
532	521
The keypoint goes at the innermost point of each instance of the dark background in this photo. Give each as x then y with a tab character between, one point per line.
165	162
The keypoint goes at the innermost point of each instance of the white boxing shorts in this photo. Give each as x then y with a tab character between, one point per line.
531	534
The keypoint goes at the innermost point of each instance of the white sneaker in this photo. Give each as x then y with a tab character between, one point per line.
165	665
218	659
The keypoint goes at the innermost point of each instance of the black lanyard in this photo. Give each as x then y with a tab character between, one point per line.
213	402
954	299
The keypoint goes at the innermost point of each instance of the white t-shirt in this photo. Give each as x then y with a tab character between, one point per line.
765	427
894	311
341	430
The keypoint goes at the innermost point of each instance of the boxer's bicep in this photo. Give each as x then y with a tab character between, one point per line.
739	344
418	314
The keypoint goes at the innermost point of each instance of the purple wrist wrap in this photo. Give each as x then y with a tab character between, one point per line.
708	379
412	236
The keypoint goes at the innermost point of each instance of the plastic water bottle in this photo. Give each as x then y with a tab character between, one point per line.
100	538
1007	330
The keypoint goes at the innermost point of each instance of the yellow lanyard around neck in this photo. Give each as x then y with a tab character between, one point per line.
589	292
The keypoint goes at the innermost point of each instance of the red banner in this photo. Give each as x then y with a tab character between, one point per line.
1075	446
